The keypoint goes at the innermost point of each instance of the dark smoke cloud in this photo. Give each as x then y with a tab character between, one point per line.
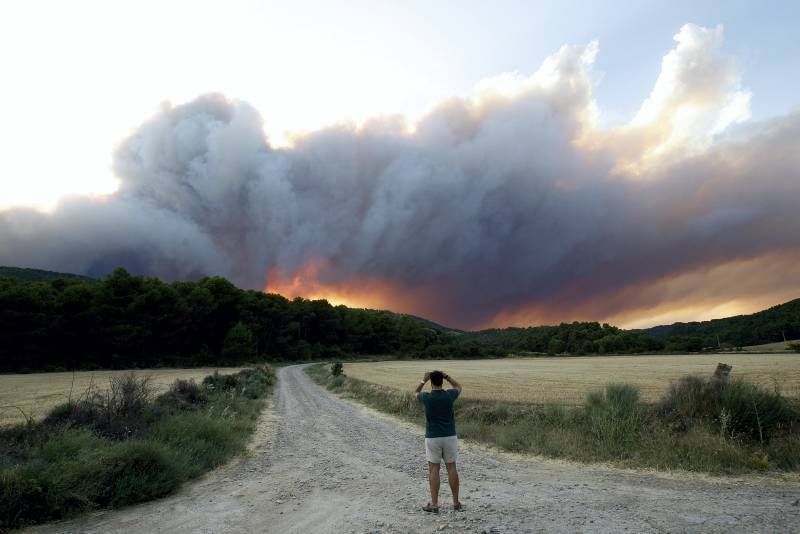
510	206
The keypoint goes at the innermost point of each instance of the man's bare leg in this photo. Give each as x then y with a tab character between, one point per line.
434	480
452	478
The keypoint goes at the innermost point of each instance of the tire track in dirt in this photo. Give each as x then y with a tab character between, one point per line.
323	464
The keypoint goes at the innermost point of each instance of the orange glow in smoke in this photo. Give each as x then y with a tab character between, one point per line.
354	292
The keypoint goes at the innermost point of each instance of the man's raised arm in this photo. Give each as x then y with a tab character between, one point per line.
422	384
453	382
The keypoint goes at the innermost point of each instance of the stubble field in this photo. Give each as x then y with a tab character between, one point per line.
35	394
566	380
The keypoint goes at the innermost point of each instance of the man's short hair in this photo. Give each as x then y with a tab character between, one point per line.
436	378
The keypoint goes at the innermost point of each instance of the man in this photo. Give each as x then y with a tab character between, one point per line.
440	434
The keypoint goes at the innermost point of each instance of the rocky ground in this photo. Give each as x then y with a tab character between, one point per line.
323	464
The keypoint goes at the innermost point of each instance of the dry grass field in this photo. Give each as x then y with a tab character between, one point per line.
779	346
35	394
566	380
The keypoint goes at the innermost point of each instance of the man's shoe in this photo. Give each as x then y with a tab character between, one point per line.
431	509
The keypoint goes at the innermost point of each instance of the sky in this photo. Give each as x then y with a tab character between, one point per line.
480	163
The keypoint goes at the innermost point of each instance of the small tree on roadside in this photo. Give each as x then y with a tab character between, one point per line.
337	369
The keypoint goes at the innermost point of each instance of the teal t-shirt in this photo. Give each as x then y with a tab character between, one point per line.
439	418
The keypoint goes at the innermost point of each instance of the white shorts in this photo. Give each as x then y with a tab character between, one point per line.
438	449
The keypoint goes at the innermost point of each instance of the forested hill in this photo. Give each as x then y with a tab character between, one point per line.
766	326
134	321
56	321
37	275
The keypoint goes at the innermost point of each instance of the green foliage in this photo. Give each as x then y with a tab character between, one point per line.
336	382
755	412
204	442
736	408
336	368
130	321
555	346
127	321
239	344
135	471
252	383
766	326
185	395
616	418
64	466
571	338
22	499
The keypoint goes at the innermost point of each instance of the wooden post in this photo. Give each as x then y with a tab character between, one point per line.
721	373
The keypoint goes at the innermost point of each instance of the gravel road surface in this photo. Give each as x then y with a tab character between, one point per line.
323	464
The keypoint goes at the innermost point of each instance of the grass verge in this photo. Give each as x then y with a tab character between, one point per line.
697	425
124	446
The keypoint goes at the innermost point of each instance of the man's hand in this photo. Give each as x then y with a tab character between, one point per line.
422	384
452	381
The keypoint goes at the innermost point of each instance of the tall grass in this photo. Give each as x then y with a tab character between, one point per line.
616	419
682	431
125	446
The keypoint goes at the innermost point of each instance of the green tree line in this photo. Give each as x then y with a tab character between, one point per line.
767	326
572	338
62	322
133	321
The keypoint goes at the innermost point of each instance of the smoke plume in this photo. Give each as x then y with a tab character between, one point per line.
512	206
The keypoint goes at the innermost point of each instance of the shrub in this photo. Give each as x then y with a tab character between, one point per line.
204	441
256	382
755	412
554	414
136	471
218	382
68	445
118	412
690	398
60	413
252	383
336	368
22	500
73	463
336	382
615	417
128	396
784	453
184	395
736	408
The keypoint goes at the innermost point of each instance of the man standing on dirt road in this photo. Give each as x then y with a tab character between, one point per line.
440	434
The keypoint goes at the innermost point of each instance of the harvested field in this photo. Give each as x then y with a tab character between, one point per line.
35	394
778	346
566	380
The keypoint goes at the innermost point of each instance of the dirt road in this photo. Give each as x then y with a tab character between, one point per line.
322	464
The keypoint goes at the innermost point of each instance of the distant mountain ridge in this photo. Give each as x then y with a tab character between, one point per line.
24	274
765	326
